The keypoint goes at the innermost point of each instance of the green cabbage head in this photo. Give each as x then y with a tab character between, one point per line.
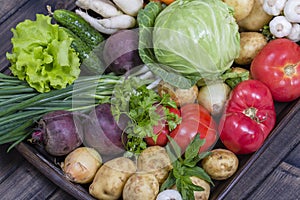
196	38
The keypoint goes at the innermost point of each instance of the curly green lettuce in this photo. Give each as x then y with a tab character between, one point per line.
42	55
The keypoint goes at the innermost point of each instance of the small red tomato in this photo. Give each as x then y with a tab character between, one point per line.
162	129
248	118
278	66
195	119
161	139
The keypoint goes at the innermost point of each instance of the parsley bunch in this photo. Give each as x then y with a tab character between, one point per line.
133	99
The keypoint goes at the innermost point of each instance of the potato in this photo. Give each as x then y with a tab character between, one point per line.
199	195
156	161
141	186
111	178
256	19
242	8
251	43
220	164
81	165
180	96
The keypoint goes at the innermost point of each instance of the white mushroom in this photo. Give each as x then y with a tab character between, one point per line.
292	11
280	26
274	7
295	33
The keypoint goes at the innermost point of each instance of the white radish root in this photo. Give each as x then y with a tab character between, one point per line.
94	22
118	22
105	8
130	7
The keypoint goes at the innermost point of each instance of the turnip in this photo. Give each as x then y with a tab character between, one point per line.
60	133
121	51
213	97
102	132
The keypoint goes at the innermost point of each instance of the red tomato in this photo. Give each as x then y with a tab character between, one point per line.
248	118
161	140
162	129
278	66
195	119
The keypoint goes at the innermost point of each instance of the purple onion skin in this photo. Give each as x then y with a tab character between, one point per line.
103	133
121	51
59	132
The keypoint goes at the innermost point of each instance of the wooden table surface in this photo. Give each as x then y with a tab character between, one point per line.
273	173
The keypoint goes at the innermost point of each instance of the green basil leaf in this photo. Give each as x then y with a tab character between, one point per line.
198	172
169	182
175	147
192	150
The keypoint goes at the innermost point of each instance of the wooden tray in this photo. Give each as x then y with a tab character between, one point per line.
47	165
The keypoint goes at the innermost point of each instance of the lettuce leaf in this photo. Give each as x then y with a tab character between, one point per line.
42	55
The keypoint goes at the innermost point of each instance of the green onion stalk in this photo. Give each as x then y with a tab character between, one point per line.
21	106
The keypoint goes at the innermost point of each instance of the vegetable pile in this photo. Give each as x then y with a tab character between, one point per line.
148	99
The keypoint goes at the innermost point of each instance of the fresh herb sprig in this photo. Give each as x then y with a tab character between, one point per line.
133	99
185	166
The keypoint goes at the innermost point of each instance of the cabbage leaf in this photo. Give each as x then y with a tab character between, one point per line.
42	55
146	19
189	40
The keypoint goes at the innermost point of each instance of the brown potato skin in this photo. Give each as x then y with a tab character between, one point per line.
180	96
251	44
82	170
242	8
199	195
111	178
220	164
256	19
155	160
141	186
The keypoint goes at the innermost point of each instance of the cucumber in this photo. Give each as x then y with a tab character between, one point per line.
91	64
79	26
78	45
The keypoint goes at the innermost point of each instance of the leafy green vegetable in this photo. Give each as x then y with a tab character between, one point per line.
42	55
140	104
193	39
146	19
186	166
232	78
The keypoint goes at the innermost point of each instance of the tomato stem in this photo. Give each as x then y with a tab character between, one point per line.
290	70
251	112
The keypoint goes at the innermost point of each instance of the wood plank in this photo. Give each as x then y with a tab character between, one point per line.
8	8
23	179
294	157
9	162
19	179
282	184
